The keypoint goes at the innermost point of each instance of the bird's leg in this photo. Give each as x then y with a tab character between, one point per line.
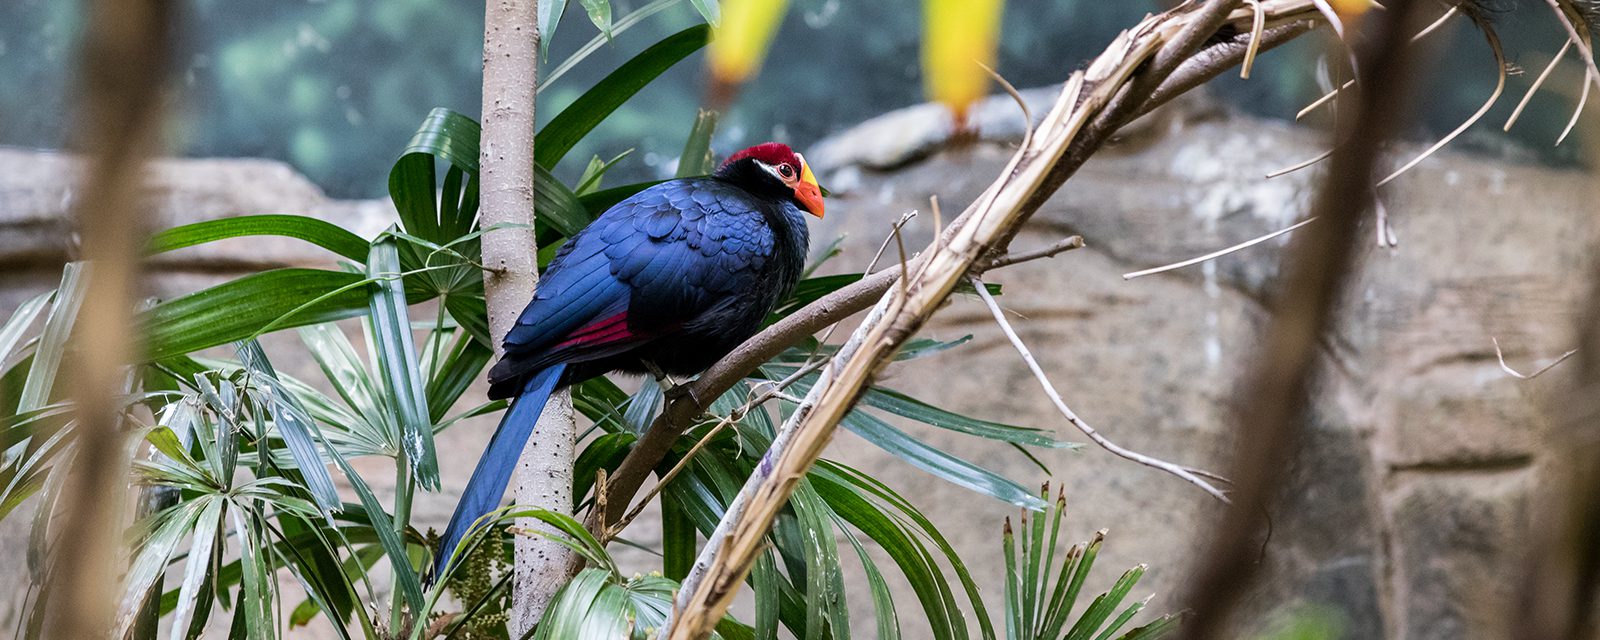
670	388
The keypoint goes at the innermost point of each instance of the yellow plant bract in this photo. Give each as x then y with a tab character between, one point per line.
960	35
1348	9
740	43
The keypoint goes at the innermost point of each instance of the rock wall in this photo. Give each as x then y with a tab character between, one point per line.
1407	506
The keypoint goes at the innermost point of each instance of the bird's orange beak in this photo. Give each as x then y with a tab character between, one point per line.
807	191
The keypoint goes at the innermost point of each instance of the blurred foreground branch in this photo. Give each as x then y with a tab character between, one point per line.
1271	400
1559	594
124	62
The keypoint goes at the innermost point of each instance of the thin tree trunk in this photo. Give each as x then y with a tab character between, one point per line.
544	474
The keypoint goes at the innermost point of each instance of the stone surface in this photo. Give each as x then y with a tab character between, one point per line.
1404	507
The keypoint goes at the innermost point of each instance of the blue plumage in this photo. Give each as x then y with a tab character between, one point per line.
676	276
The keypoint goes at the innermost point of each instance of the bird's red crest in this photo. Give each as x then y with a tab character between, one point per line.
773	153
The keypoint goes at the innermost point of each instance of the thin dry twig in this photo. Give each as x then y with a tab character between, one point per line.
1257	27
1216	254
1302	164
1579	40
1027	114
1499	88
1527	376
1057	248
1326	97
1186	473
1538	82
1583	99
894	231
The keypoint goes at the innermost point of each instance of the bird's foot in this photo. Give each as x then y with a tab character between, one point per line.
670	389
676	391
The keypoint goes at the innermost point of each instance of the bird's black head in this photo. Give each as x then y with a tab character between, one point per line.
773	168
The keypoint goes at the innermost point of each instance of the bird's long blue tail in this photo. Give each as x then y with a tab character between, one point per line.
489	479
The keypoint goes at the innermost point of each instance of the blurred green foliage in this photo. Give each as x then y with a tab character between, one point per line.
331	85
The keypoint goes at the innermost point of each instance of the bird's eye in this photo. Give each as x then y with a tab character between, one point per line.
786	171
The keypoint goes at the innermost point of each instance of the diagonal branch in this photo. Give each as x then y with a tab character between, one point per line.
1286	20
1092	105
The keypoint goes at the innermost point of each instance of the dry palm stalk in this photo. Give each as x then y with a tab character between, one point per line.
1092	105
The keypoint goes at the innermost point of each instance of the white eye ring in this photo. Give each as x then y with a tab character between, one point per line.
785	171
776	172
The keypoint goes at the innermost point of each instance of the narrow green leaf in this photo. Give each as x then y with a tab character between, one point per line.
677	541
764	581
296	428
1122	620
578	119
906	406
711	10
286	404
167	529
696	158
1104	604
549	18
318	232
605	452
560	212
872	486
257	578
925	579
1031	580
202	552
642	406
1015	627
349	377
1159	628
598	202
52	346
935	461
237	309
397	361
451	137
12	331
590	178
461	368
600	14
888	623
825	581
565	616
